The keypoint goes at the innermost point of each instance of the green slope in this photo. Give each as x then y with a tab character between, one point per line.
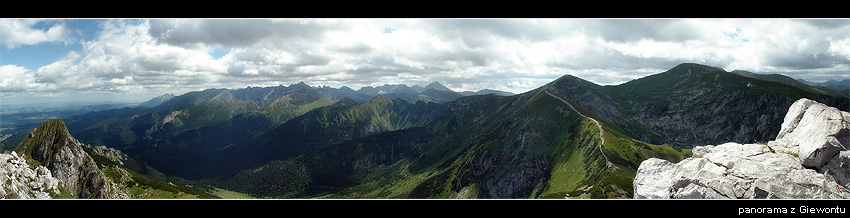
533	145
529	145
546	150
523	146
180	133
693	104
346	120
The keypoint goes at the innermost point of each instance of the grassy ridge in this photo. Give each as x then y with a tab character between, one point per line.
529	145
475	145
693	103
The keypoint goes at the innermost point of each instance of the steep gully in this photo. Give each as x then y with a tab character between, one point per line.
601	132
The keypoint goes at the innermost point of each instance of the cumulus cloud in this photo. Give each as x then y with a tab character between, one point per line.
17	32
16	79
122	58
231	32
633	30
173	55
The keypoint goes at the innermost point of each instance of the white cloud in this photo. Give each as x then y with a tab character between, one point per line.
15	79
173	55
18	32
125	58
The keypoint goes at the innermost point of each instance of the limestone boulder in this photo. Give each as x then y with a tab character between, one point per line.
808	159
815	132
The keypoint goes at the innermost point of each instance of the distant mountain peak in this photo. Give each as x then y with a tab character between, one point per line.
156	101
379	98
844	82
437	85
690	68
299	84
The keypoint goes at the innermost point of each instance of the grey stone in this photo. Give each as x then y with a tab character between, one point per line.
655	177
818	131
19	181
808	159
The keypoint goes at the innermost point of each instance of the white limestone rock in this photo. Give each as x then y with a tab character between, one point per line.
809	159
735	171
19	181
815	132
655	177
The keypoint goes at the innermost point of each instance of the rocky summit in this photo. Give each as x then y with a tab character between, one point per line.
808	159
51	147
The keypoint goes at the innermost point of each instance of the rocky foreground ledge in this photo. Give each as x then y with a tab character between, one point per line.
20	181
809	159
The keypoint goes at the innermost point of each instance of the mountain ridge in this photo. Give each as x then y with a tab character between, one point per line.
323	126
693	103
156	101
571	137
802	84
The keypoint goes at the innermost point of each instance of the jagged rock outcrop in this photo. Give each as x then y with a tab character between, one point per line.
19	181
808	159
814	131
50	145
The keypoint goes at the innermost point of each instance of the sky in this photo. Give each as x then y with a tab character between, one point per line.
133	60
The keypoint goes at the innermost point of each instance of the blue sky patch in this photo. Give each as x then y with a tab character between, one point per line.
736	35
218	53
35	56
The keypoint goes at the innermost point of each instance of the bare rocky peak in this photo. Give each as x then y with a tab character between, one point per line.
809	159
50	145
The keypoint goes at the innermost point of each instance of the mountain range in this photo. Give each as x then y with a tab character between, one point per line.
843	85
569	138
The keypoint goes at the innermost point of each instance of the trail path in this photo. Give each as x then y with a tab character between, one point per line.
601	132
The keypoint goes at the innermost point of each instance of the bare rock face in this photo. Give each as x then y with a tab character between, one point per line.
50	145
808	159
814	131
655	177
19	181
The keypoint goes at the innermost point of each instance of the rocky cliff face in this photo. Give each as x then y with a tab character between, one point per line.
809	159
51	146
